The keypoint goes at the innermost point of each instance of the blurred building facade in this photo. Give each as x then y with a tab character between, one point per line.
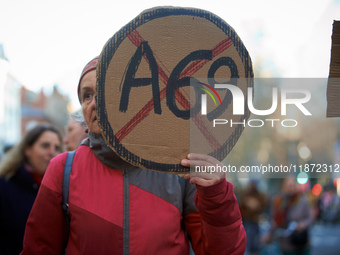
21	109
39	108
10	106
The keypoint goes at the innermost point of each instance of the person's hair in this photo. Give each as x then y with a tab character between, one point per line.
16	157
78	116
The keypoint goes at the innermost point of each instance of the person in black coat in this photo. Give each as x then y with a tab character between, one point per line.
21	172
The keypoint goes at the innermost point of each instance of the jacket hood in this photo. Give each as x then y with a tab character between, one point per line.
104	153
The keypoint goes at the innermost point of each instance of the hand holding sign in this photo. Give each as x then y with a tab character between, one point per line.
200	161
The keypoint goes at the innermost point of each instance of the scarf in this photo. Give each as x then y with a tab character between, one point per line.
104	153
36	177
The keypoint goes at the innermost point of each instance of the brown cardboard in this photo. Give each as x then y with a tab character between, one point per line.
333	88
142	134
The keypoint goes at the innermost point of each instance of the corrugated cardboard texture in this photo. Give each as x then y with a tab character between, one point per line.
140	66
333	88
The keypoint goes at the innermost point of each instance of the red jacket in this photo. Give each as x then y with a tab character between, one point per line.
131	211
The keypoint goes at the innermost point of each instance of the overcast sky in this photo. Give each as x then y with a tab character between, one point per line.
49	42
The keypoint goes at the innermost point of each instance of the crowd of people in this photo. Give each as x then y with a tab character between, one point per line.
113	207
280	222
116	208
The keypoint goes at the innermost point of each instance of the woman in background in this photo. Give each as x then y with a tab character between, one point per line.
21	172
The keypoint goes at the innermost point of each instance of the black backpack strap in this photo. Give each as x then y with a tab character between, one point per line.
66	184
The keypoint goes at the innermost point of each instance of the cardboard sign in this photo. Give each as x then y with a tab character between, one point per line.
145	77
333	87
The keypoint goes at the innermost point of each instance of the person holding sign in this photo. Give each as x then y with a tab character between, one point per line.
117	208
125	195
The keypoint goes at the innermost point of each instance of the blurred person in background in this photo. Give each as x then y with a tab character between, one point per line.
330	205
252	205
76	131
21	172
291	219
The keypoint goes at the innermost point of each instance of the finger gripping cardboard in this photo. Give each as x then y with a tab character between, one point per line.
146	101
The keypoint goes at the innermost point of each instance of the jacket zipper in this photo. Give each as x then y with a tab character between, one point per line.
125	212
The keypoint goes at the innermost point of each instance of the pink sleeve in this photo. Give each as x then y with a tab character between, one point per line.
217	226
